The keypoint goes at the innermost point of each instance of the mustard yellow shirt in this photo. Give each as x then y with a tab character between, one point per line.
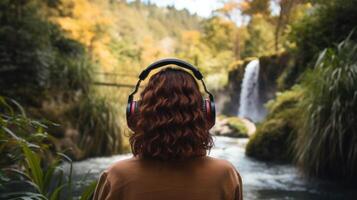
200	178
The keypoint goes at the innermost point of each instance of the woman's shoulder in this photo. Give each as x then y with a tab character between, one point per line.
223	167
123	163
134	164
121	166
221	163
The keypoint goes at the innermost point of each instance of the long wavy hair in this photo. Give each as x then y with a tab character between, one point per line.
171	124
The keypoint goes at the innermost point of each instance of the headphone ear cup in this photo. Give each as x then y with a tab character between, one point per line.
213	114
210	112
132	110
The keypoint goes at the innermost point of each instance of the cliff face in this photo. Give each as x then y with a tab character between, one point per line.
227	99
271	68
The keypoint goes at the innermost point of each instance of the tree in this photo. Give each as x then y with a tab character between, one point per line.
253	7
260	37
26	53
286	8
88	24
219	33
255	11
229	12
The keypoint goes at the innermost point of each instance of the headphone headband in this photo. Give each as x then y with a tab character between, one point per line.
168	61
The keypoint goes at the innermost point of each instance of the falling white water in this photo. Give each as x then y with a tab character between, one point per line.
250	106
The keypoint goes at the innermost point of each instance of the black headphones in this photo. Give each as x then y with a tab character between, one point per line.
208	104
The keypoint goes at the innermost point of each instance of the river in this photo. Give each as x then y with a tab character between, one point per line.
261	180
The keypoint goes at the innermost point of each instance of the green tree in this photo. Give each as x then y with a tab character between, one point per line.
26	54
257	7
328	23
219	34
34	54
285	16
260	40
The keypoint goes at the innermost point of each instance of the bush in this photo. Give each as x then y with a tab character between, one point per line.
16	128
97	122
327	144
73	69
274	138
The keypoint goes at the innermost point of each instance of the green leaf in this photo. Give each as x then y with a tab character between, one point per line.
23	113
22	195
88	191
320	58
56	193
33	167
12	134
49	175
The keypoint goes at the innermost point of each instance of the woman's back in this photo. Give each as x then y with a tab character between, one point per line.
170	141
194	179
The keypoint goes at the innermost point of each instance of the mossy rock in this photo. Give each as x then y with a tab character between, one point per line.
275	137
237	126
230	126
272	141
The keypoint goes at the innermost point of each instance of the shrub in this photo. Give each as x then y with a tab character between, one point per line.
98	123
73	69
327	144
16	128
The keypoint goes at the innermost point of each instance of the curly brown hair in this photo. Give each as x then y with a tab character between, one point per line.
171	123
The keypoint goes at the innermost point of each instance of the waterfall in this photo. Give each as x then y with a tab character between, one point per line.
250	106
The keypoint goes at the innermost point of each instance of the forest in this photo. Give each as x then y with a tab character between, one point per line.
68	66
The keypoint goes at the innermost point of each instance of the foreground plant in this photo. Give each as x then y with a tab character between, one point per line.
26	171
327	143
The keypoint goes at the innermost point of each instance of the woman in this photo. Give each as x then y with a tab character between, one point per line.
169	145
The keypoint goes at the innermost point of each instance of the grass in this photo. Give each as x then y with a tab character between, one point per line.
98	123
327	146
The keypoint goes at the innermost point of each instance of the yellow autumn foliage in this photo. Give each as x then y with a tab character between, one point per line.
88	22
191	37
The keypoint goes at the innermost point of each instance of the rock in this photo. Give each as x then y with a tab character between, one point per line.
250	126
233	127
